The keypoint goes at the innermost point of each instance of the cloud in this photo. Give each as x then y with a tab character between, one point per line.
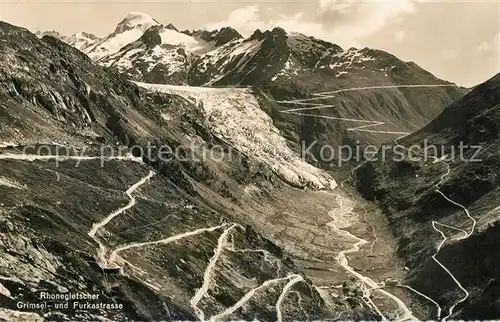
363	18
335	5
367	17
399	36
358	20
491	46
245	19
249	18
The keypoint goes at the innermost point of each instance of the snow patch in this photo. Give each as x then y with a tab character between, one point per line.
243	50
289	69
350	58
173	37
113	44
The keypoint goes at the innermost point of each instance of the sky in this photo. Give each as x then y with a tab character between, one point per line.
458	41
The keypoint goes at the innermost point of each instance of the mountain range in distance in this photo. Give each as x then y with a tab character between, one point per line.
283	66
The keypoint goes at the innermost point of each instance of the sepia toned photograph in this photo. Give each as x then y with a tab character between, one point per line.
272	160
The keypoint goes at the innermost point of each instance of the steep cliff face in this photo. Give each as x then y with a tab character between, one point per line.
149	238
462	148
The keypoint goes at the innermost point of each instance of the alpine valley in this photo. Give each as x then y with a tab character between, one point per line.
247	219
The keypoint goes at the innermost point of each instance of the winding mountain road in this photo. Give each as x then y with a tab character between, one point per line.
114	253
209	272
330	94
310	104
292	278
101	252
443	235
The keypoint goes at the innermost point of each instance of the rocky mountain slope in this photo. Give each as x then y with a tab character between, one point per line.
289	71
222	236
452	194
301	79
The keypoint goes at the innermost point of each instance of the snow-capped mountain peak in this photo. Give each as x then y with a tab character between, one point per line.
131	28
136	20
160	54
83	34
82	40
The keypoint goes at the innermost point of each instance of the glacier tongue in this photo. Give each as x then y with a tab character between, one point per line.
235	115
